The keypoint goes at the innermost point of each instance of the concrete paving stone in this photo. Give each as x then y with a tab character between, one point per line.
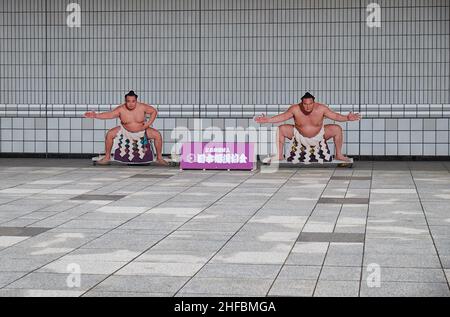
188	245
250	257
94	293
340	273
350	248
296	272
305	259
271	227
63	266
92	224
396	229
244	271
108	255
343	260
318	226
165	256
440	231
290	236
141	284
293	288
406	289
160	269
255	287
245	245
327	288
20	265
361	229
39	293
374	249
222	218
445	259
127	242
9	277
202	235
211	295
52	281
417	275
153	226
10	241
196	225
278	219
347	239
21	231
403	260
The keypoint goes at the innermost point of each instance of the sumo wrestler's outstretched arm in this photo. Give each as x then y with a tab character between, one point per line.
103	115
330	114
276	119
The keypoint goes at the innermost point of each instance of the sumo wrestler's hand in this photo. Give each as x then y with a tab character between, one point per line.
146	126
90	115
353	116
262	119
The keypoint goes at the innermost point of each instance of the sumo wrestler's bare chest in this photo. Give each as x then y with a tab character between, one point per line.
134	116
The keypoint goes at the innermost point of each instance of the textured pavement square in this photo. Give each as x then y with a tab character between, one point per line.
70	229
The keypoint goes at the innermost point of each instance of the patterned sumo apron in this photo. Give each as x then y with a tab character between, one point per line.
309	150
132	148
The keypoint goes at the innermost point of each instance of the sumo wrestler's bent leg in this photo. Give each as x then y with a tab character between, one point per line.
284	131
155	135
109	141
335	131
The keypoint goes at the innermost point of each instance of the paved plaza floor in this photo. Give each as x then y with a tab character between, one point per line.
70	229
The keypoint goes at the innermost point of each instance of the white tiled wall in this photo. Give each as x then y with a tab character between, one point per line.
225	61
379	137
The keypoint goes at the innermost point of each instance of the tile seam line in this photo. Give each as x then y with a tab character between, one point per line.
365	232
28	273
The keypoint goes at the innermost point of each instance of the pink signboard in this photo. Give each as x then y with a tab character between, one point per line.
218	156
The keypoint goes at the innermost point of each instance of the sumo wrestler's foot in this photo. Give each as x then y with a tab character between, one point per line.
342	157
161	161
104	161
273	159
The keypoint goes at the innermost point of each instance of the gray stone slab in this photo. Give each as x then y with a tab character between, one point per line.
348	178
337	289
238	286
297	272
232	270
345	260
343	201
403	260
405	289
39	293
331	237
340	273
151	176
297	288
99	197
145	284
9	277
417	275
51	281
94	293
21	231
160	269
